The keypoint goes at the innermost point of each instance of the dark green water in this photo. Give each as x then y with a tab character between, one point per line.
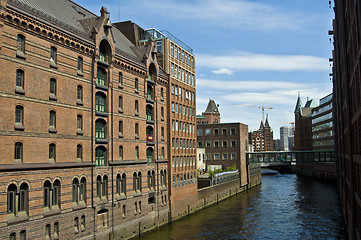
283	207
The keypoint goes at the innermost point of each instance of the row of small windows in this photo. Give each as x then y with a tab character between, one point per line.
20	53
100	154
100	124
186	161
183	126
20	87
182	55
217	156
182	74
184	179
183	143
182	109
18	198
208	144
182	93
207	132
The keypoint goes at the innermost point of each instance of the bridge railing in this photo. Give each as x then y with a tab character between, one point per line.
291	156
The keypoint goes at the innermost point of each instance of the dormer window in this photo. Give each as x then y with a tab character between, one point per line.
104	52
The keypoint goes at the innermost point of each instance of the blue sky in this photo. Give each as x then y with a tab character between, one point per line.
247	52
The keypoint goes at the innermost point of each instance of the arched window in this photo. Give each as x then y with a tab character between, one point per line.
136	108
150	137
100	156
100	129
79	124
139	182
105	187
153	179
104	51
149	177
135	184
79	95
120	129
47	190
149	110
75	190
120	79
53	89
136	130
19	80
12	201
149	155
80	66
82	190
52	153
56	193
99	186
117	184
136	153
100	102
20	46
18	152
149	92
123	186
101	76
52	121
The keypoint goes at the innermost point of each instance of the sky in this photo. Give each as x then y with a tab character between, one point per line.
251	52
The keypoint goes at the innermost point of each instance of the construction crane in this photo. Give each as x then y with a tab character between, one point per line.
262	107
292	123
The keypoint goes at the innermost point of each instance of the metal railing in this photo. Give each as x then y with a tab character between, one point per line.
288	157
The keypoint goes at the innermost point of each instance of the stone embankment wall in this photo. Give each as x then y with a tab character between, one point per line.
321	170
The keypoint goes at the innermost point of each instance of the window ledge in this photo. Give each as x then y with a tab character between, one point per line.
52	96
120	110
162	98
79	102
20	54
121	196
22	216
102	114
120	85
52	129
51	211
19	126
79	132
136	113
53	65
136	136
150	122
136	91
78	206
121	135
103	63
80	73
102	87
150	100
19	90
137	194
97	140
162	118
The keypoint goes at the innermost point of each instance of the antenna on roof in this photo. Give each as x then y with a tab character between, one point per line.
118	10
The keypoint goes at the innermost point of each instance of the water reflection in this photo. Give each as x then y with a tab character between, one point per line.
284	207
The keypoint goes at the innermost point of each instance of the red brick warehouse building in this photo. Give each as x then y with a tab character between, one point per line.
84	143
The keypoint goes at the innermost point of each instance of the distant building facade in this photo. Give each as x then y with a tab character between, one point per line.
201	159
262	139
322	125
211	115
286	138
276	144
225	143
303	125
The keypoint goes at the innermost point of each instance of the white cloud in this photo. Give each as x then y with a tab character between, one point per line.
235	14
263	62
223	71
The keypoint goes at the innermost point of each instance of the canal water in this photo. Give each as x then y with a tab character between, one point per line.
285	206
